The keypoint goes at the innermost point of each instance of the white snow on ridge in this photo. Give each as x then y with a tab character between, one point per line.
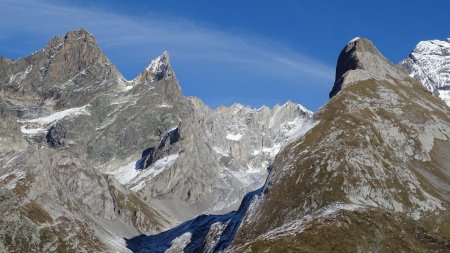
445	95
159	65
39	125
354	39
57	116
32	131
234	136
165	106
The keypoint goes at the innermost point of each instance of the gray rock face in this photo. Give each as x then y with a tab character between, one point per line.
429	63
164	147
11	139
104	158
66	73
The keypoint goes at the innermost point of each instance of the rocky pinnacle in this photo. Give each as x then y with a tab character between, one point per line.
361	60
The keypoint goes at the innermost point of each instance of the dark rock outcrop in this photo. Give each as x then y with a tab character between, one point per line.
56	135
166	146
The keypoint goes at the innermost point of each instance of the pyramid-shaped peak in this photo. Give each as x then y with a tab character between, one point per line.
74	35
158	69
73	39
160	63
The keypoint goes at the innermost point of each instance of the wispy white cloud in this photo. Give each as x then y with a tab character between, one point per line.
242	65
183	38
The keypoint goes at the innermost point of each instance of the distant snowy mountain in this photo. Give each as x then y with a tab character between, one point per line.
429	63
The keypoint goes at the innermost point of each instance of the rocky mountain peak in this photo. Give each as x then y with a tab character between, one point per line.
360	60
68	72
351	58
76	40
436	47
158	69
78	49
79	34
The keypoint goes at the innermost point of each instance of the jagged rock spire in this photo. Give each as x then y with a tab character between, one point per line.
360	60
157	70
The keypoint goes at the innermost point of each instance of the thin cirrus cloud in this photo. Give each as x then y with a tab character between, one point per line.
190	45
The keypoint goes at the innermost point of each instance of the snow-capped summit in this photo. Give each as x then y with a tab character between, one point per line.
429	63
353	40
159	63
158	69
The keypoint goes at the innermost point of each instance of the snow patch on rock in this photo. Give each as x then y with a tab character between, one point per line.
353	40
179	243
139	179
40	125
234	136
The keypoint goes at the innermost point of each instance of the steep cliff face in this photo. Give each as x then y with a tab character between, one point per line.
429	63
374	163
11	139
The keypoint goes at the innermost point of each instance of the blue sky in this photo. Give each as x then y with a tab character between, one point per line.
254	52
